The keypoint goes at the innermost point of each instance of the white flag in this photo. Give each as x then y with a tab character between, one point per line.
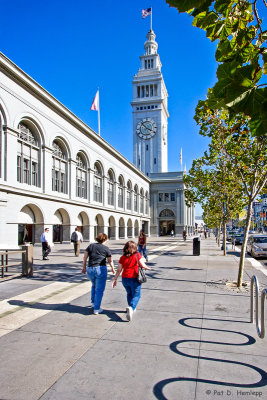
95	104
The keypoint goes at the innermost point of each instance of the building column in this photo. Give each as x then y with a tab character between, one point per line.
91	187
11	157
105	193
115	195
72	179
92	232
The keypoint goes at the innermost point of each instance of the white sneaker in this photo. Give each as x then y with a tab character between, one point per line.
98	311
129	313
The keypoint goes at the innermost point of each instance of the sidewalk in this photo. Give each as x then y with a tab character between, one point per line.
190	337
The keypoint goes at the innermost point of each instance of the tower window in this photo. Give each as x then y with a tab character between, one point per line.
147	146
147	90
152	64
143	91
151	90
138	91
141	108
148	107
155	90
156	106
137	108
148	63
155	161
152	107
139	162
145	108
145	64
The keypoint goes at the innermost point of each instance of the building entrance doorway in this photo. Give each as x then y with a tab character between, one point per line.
57	233
25	232
166	222
165	227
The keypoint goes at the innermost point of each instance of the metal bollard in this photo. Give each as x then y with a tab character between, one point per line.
27	260
196	246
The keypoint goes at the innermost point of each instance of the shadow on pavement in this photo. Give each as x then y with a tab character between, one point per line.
159	386
69	308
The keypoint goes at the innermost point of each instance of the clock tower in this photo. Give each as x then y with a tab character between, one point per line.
150	112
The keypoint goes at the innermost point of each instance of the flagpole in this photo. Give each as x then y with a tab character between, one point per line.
98	112
151	20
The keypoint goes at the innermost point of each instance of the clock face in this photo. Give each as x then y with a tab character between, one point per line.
146	128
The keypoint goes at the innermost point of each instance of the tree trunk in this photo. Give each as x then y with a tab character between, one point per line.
224	238
219	235
244	245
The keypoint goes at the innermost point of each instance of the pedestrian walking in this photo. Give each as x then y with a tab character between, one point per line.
184	234
172	233
76	239
128	265
45	240
96	270
142	244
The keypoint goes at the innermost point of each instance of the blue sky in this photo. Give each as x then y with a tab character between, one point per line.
71	48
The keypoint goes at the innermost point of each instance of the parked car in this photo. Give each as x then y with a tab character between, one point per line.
229	235
257	245
238	238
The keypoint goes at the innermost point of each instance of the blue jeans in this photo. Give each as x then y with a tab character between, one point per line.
142	250
98	277
133	290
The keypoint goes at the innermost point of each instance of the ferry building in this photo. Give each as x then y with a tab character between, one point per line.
56	172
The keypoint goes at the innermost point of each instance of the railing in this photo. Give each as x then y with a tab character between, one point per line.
26	260
260	329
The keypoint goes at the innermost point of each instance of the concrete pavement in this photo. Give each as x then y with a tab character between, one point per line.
190	337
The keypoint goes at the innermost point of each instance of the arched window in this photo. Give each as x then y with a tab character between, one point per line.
98	183
135	198
59	168
142	201
166	213
129	195
81	176
2	146
120	192
111	188
28	156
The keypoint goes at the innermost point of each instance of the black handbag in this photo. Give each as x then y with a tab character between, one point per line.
141	278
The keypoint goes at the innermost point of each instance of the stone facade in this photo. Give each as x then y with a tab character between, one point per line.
168	210
56	172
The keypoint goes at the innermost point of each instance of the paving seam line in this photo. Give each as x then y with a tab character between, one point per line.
38	300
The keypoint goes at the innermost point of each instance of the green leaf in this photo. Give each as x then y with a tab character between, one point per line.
264	56
225	75
204	20
223	50
185	5
222	5
258	124
204	7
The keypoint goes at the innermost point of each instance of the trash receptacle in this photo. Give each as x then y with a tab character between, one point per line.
196	246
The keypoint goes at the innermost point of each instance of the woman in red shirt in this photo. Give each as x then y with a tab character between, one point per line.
128	264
